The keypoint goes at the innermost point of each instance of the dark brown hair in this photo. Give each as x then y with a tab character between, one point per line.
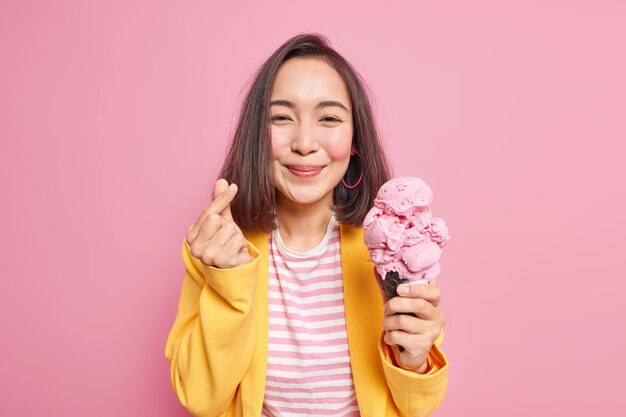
248	161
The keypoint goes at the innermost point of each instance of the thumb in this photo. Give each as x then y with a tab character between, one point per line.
221	185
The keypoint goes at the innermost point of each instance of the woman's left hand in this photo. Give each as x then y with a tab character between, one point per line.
415	333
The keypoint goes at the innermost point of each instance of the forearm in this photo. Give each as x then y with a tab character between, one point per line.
210	346
209	356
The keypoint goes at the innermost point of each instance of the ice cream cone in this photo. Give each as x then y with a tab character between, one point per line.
404	240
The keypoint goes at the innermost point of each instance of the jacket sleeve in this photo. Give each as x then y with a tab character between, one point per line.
416	394
211	343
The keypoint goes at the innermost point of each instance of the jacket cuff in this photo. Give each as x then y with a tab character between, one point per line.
401	380
235	285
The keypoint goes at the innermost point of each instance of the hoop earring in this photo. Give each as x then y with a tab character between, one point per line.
360	176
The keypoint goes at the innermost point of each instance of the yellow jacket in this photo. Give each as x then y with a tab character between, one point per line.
217	346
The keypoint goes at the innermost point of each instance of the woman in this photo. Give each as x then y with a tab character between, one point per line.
280	311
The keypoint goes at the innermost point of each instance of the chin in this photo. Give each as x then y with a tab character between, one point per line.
304	197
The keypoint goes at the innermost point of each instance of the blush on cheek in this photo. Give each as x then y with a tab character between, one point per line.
340	146
278	142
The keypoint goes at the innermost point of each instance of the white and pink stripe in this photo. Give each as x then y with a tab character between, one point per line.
308	364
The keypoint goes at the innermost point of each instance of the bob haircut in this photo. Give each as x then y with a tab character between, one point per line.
248	162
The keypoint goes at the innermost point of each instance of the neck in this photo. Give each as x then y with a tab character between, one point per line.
302	227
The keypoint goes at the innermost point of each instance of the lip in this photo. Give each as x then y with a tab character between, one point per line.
304	170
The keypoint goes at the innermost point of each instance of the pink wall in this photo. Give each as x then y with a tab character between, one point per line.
114	117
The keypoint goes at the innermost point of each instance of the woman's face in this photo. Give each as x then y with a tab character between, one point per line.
311	130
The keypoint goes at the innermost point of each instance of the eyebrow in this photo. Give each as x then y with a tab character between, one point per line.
320	105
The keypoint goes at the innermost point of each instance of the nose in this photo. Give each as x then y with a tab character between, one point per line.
304	141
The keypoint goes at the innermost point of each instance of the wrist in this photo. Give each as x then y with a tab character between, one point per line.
423	368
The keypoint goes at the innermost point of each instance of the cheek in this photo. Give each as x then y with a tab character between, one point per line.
279	141
340	145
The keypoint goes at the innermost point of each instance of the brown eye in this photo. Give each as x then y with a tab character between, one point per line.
330	119
280	118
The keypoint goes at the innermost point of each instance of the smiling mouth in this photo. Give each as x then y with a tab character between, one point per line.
304	170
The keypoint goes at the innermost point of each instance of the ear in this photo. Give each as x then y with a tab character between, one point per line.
353	150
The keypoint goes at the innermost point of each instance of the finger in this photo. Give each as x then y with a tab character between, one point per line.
201	233
430	293
413	344
234	252
223	198
418	306
404	322
217	206
213	251
207	229
221	185
228	248
226	231
207	225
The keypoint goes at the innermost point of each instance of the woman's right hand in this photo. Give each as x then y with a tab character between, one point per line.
215	238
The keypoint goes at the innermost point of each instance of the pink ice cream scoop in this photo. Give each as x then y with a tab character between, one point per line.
403	238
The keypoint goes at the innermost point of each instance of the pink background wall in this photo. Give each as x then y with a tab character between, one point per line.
114	117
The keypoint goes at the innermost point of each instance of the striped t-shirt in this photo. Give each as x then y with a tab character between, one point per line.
308	368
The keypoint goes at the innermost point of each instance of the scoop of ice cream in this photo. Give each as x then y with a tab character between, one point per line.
400	232
386	232
403	196
438	232
421	256
412	262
